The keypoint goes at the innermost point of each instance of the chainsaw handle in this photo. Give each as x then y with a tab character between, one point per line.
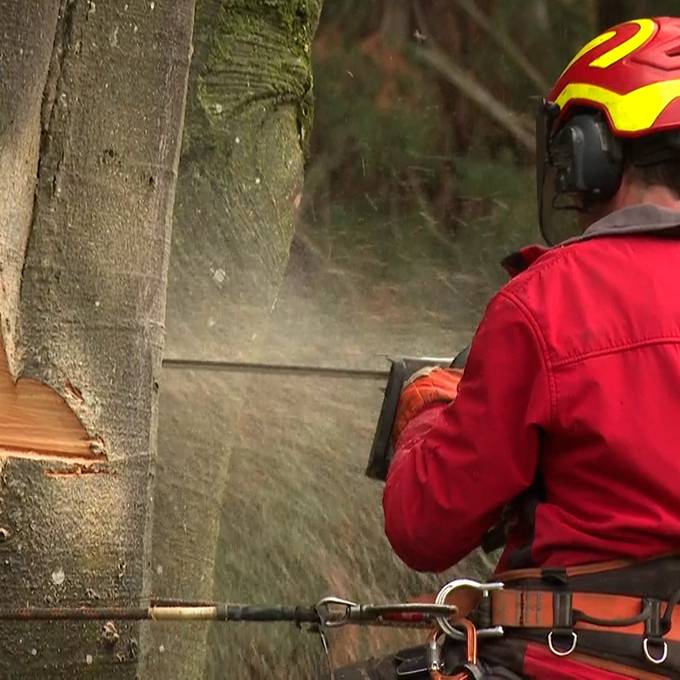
461	358
402	369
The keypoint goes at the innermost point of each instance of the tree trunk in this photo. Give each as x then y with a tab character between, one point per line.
248	119
91	107
395	24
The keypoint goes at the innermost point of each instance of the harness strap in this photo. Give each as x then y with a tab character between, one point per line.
615	667
586	611
568	572
566	609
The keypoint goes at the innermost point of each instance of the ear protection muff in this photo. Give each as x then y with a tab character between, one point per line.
583	162
578	164
587	157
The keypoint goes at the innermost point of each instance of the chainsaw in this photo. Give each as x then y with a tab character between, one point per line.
382	449
402	368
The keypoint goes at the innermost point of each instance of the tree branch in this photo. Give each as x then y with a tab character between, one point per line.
461	78
505	42
476	92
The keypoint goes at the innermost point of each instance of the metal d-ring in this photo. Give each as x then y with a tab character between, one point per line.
658	660
557	652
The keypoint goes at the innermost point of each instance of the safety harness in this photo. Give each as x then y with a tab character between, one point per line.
620	616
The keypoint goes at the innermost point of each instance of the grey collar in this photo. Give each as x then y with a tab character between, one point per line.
635	219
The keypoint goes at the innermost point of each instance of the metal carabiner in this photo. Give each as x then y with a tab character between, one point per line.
484	588
335	612
434	653
323	609
469	668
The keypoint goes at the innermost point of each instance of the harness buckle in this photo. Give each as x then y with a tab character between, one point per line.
484	589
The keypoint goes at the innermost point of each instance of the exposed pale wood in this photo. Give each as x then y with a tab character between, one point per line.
35	420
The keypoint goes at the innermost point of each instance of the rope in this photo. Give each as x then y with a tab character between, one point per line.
325	613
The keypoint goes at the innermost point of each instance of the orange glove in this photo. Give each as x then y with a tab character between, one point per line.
427	386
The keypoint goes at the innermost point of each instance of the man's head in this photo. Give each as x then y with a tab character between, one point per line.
608	134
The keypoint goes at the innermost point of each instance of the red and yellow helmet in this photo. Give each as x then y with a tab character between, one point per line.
623	85
631	73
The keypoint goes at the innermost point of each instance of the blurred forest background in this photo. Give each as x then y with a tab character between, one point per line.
419	180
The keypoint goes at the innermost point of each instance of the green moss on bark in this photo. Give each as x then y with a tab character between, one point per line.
250	109
267	42
298	17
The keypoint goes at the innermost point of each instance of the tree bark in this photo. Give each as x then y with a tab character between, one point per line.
248	120
90	121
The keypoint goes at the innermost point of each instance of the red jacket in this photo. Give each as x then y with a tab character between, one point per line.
573	377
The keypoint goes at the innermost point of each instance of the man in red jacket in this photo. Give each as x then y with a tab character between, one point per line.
570	399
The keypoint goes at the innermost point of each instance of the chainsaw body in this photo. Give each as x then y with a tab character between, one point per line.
382	450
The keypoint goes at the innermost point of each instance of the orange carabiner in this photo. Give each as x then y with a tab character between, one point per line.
436	665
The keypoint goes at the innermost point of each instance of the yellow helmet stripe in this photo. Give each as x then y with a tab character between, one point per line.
595	42
646	28
632	112
645	32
